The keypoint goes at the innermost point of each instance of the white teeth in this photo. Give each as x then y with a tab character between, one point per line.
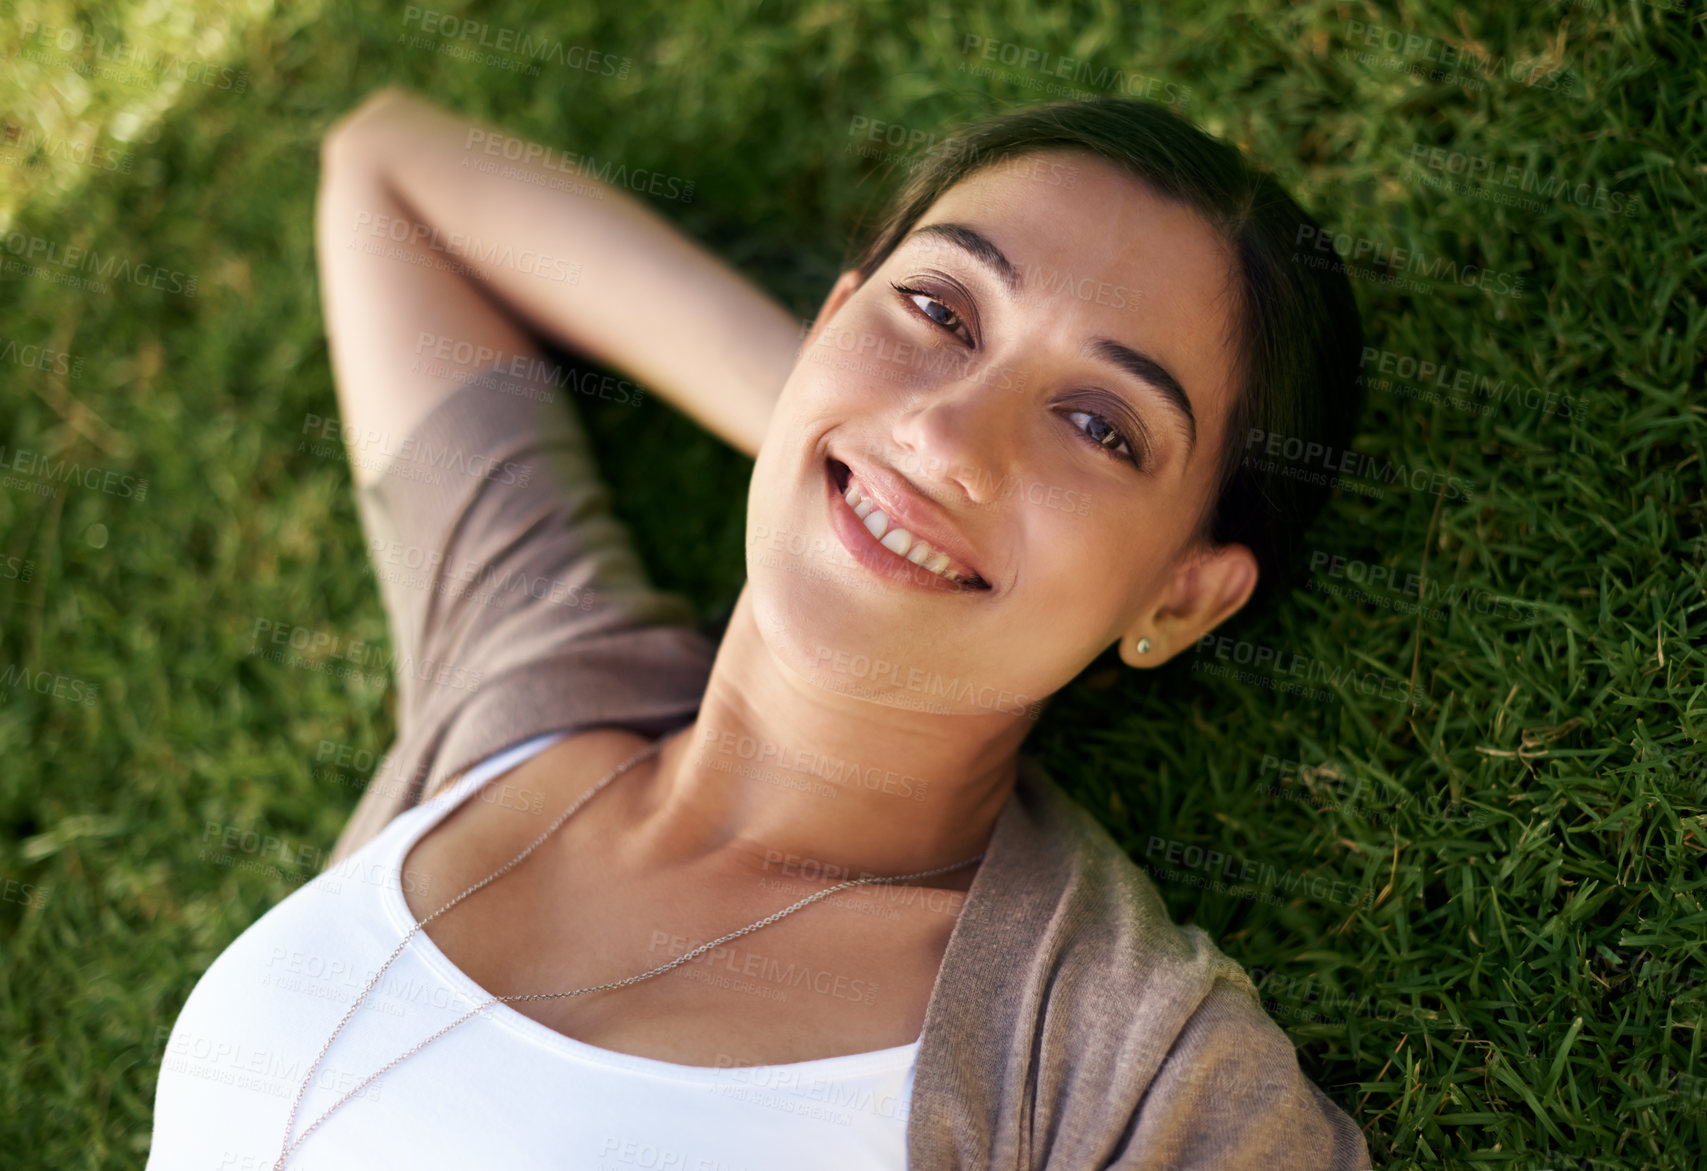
897	540
861	506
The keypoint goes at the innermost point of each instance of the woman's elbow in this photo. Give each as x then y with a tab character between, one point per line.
351	138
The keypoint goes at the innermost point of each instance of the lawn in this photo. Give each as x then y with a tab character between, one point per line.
1447	799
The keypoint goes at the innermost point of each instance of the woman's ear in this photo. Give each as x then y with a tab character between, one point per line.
844	288
1207	589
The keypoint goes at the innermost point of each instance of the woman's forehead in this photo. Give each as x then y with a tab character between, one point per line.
1105	216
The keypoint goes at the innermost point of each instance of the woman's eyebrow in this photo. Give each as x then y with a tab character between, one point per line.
1139	365
976	245
1152	373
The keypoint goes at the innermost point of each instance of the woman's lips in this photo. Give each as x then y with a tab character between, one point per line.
881	545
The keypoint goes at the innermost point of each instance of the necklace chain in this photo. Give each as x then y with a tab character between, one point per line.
290	1123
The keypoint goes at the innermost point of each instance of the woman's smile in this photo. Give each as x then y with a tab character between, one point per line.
895	537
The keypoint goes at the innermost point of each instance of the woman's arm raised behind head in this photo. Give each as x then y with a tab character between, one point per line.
552	252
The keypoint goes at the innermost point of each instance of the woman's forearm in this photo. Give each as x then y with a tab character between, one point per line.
590	267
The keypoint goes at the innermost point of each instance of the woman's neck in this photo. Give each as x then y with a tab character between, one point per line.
786	778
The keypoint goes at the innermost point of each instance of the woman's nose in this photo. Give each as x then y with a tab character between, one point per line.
965	432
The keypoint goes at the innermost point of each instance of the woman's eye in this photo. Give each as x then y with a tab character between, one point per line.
932	308
1103	434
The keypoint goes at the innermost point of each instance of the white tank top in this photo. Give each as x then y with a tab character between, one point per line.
501	1090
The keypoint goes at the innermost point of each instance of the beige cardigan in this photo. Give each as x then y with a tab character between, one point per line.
1073	1025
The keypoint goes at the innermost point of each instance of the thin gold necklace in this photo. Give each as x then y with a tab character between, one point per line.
288	1147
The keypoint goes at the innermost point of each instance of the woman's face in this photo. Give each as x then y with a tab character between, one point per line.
1035	384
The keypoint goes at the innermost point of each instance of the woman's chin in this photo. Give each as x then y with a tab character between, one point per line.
824	638
812	626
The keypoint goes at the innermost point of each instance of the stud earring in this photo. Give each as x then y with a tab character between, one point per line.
1143	647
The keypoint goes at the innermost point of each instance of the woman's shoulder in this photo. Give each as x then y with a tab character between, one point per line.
1059	853
1064	934
1091	1013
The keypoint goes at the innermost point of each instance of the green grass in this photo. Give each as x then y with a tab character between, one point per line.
1523	985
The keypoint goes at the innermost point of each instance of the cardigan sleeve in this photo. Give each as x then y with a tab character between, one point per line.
516	603
1230	1096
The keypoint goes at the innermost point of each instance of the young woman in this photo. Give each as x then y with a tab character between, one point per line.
1011	438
